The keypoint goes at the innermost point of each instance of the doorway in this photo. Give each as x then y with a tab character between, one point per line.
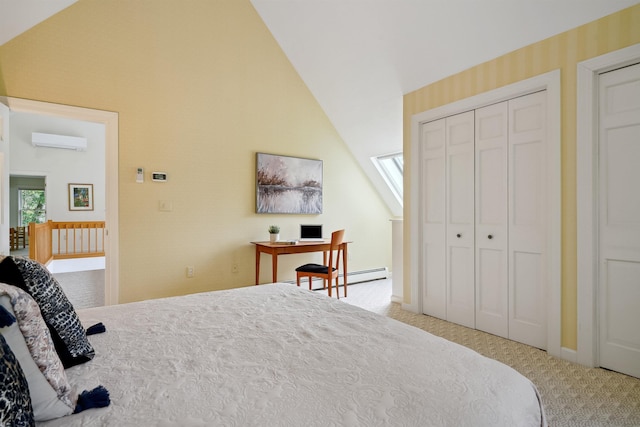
619	220
110	122
27	204
609	211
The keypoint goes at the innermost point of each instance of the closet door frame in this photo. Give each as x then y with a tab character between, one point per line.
587	195
551	83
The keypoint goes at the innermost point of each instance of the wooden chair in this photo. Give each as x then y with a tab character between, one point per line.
325	272
21	235
12	239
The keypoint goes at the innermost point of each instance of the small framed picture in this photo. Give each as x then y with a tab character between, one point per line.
80	197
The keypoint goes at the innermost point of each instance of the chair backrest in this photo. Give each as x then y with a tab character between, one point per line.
336	240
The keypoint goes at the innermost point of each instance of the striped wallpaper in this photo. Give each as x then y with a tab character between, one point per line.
564	52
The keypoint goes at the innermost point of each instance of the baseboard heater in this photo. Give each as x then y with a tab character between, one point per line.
352	277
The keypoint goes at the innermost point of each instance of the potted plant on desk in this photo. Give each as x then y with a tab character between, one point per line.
274	233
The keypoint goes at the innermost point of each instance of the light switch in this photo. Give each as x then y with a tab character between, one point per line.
165	206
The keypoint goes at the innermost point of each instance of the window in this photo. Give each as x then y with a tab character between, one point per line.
391	167
31	207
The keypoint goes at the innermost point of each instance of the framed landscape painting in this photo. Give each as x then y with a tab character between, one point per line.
289	185
80	197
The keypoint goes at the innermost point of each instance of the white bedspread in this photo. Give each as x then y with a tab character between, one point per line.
280	355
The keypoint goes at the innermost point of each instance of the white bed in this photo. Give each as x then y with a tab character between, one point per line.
280	355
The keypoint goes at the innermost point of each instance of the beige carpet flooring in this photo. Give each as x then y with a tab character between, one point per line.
572	394
84	289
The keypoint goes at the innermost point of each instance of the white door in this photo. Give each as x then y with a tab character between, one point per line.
619	220
527	246
4	179
460	219
491	220
432	152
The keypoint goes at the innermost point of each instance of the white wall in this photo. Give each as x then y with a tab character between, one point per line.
61	167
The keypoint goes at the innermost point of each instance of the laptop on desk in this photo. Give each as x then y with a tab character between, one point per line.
311	233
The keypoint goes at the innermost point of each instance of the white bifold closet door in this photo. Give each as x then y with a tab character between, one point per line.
483	219
491	276
432	149
528	228
460	220
511	254
619	220
447	169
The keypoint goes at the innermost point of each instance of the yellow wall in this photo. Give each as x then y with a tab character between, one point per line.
562	52
199	87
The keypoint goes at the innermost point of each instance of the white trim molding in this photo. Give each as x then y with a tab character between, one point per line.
587	194
551	83
110	121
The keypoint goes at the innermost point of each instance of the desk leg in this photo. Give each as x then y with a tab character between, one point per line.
274	267
344	262
257	265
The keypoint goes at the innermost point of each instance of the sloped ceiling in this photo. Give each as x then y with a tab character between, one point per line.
359	57
17	16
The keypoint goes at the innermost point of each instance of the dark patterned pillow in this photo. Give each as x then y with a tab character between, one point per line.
9	272
69	337
15	402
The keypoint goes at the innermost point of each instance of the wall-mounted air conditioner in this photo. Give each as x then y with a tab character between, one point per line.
58	141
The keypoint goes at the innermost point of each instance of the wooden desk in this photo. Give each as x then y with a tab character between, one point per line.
275	249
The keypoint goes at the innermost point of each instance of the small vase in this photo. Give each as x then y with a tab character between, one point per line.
273	237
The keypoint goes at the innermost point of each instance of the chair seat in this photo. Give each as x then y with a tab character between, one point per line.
314	268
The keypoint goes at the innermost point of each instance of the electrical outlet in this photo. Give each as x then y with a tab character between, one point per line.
234	267
190	271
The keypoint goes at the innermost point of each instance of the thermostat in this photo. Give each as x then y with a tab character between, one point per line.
159	176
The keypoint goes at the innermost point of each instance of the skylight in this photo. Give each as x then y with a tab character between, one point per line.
391	168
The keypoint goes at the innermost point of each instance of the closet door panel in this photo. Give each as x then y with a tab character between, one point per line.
527	295
527	219
491	275
460	290
491	300
460	218
432	151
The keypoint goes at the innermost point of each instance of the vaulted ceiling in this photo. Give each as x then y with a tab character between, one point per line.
359	57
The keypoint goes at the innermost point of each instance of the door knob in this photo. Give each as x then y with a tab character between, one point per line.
458	235
490	236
